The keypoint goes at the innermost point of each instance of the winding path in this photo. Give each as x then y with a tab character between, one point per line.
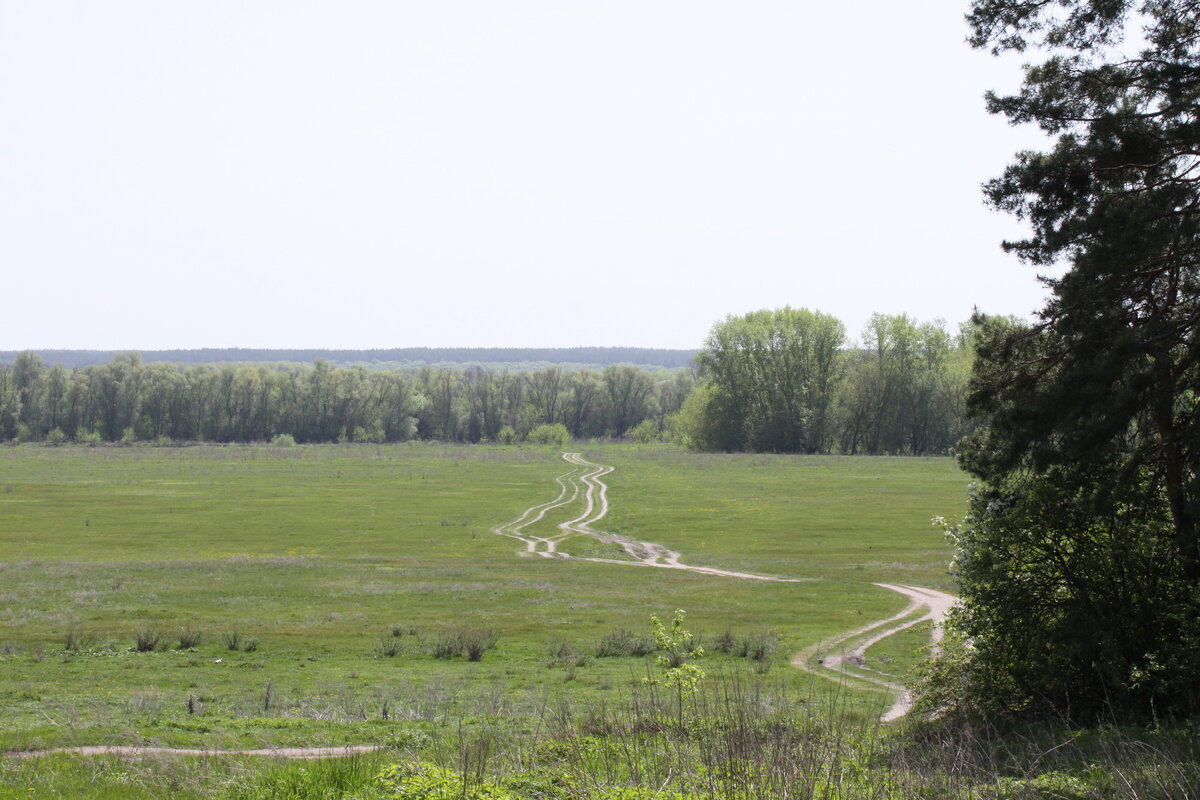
842	658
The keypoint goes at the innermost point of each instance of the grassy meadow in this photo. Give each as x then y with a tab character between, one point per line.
338	570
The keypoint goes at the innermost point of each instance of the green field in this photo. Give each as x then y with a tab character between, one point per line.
319	552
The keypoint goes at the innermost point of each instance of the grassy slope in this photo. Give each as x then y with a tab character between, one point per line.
318	551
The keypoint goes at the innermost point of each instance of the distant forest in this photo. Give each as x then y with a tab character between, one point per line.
384	358
781	381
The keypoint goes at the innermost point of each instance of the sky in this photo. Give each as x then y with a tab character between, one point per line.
371	174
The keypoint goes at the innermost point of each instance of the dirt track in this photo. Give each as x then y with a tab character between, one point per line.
840	658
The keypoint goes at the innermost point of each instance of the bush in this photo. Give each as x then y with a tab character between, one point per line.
556	434
189	638
389	646
624	642
469	642
76	640
564	654
146	640
760	646
283	440
506	435
56	437
645	432
234	640
725	642
90	438
477	641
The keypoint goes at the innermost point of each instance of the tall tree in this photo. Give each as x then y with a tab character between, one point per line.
774	374
1097	400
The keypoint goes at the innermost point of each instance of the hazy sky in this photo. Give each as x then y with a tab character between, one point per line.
555	173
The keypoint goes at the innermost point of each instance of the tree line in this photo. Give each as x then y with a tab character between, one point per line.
128	400
778	381
398	356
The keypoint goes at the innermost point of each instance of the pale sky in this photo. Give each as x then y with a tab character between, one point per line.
359	174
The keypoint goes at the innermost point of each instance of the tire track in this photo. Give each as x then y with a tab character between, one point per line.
841	658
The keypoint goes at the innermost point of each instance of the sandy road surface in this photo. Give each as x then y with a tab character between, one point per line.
840	658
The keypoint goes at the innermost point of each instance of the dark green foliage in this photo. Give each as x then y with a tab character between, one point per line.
1072	598
1080	561
128	401
774	375
781	381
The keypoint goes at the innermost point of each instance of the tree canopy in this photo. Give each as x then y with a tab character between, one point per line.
1081	550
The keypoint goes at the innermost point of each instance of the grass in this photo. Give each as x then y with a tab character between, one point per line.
314	553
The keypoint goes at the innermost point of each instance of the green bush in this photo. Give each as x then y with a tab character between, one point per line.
283	440
556	434
645	432
624	642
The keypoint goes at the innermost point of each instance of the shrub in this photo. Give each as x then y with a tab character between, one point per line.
725	642
760	646
189	638
446	645
76	640
234	640
283	440
477	641
624	642
90	438
645	432
556	434
564	654
146	640
56	437
506	435
469	642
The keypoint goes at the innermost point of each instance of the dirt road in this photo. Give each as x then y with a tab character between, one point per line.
840	658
